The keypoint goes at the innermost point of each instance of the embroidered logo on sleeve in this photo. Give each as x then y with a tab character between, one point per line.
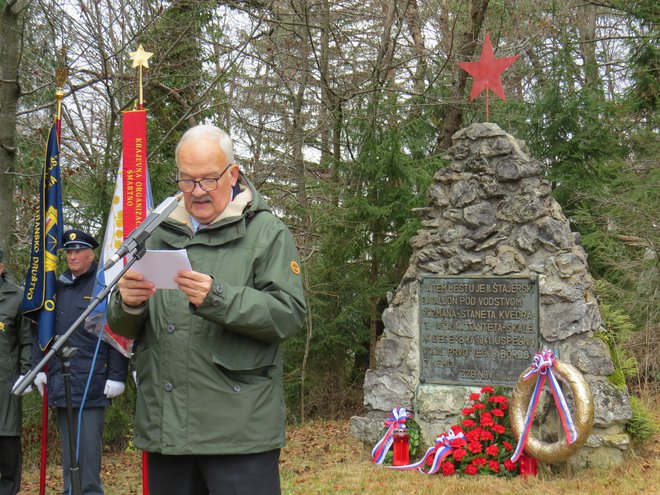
295	267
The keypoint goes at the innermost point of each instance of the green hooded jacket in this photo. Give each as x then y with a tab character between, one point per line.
210	377
15	351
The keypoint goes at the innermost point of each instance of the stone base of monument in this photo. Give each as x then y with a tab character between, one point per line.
496	274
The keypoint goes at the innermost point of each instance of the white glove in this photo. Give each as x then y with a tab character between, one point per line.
113	389
27	390
40	382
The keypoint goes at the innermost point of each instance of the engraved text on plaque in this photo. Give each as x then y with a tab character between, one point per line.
477	331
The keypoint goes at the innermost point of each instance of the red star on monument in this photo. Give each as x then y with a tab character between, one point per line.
487	72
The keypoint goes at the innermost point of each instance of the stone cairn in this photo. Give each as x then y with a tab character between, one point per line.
492	214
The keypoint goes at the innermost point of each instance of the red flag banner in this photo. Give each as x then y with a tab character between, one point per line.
134	138
131	203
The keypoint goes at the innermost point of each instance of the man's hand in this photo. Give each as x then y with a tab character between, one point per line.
40	382
134	289
113	388
195	285
28	388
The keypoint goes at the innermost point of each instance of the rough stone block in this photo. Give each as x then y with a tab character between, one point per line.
438	402
386	389
591	356
611	405
602	457
560	321
368	430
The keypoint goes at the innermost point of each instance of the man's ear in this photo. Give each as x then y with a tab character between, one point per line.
233	170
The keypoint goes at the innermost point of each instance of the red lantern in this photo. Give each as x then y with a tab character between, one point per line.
528	466
401	447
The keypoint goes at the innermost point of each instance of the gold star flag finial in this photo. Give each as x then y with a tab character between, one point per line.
140	57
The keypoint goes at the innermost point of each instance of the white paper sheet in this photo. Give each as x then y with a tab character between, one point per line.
160	267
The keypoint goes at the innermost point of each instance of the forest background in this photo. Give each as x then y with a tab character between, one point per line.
342	112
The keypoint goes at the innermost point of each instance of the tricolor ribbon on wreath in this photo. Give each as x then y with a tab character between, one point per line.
542	364
442	448
396	419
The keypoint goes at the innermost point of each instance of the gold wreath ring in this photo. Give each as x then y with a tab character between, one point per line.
583	418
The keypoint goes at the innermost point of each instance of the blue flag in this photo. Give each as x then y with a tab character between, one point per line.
39	298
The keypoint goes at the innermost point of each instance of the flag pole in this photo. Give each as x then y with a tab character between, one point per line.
61	75
140	59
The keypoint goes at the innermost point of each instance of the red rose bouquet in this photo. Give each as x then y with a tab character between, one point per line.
488	441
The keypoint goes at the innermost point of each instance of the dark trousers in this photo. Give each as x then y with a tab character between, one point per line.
10	465
90	451
248	474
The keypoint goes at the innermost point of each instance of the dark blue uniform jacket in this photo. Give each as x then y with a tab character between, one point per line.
73	297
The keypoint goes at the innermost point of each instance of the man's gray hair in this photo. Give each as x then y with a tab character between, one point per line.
211	132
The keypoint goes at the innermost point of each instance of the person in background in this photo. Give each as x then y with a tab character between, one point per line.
108	376
16	335
210	408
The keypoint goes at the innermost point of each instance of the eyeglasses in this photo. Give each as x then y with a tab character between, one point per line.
206	184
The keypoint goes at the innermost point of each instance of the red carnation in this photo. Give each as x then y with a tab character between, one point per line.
479	406
468	423
494	466
467	411
486	435
507	445
456	429
475	447
498	428
510	466
458	454
486	419
475	396
487	390
448	469
492	450
497	412
470	469
479	461
457	443
473	435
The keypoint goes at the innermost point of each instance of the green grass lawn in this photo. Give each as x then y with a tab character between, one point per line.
322	458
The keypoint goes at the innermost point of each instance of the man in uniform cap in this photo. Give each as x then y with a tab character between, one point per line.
75	239
15	345
74	293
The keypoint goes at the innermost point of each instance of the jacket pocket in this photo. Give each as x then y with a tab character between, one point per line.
254	375
236	352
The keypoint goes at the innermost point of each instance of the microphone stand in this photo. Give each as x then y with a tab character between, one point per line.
74	472
137	252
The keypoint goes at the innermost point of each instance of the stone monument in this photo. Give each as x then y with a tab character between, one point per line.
496	275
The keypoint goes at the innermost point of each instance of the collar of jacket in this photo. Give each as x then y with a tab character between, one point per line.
7	286
67	279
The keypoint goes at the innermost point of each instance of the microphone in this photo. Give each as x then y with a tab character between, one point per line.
142	232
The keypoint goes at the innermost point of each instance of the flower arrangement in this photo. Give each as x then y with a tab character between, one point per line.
487	442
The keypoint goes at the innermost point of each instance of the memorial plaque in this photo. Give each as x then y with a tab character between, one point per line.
477	330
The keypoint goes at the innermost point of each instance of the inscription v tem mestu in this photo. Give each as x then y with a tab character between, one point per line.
477	330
